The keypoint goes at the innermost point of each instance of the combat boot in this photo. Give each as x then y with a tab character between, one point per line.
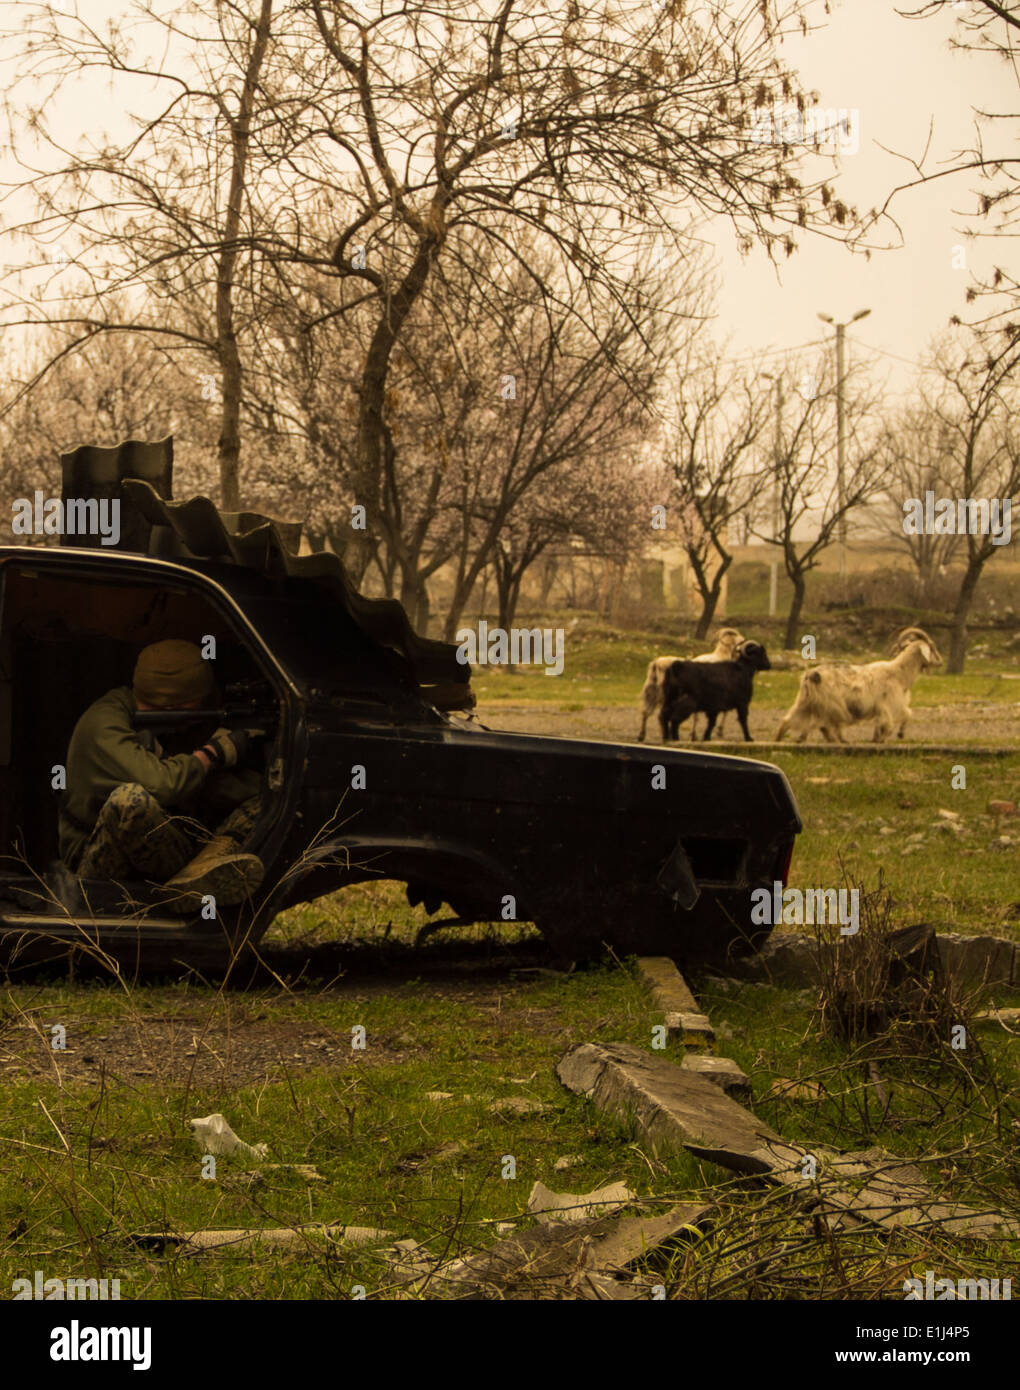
221	871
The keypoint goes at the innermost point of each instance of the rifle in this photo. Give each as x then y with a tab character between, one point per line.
248	709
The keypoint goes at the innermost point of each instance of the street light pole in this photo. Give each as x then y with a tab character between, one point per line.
841	429
778	455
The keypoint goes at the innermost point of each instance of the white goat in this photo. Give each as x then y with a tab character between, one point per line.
831	697
651	694
904	638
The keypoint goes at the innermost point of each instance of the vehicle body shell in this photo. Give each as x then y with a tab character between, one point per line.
644	850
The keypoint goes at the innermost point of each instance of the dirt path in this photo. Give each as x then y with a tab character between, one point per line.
984	723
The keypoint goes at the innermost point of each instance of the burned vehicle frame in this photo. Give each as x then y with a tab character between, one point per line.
370	770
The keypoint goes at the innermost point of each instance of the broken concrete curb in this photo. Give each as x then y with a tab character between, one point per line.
670	991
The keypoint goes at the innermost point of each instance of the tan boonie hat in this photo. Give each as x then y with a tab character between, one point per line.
171	673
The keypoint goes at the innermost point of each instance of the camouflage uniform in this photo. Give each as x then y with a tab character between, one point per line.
135	838
131	811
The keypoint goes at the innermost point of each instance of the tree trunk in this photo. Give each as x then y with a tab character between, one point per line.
424	610
509	589
504	605
414	595
466	583
710	599
549	567
372	391
958	631
229	444
793	617
453	615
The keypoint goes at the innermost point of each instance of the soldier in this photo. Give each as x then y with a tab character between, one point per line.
131	811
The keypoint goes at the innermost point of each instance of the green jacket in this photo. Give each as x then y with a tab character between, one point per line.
104	752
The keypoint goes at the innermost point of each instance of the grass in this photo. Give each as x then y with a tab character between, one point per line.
95	1145
884	813
88	1163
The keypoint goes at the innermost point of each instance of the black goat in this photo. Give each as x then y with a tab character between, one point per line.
694	687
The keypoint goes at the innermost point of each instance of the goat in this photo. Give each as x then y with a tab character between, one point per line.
833	696
651	694
904	638
690	688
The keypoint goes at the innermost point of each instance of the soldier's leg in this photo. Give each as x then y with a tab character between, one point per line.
134	835
241	821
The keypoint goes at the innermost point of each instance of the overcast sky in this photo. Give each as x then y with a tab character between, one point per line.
901	77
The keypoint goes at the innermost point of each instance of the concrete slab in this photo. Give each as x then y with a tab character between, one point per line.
979	960
792	960
722	1071
275	1238
672	1108
660	975
693	1030
546	1205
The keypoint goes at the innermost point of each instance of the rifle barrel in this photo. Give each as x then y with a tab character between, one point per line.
170	718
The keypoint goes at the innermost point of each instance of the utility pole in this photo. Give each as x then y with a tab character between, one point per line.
778	456
841	428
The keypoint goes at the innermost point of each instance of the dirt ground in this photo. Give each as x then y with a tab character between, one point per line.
988	724
234	1039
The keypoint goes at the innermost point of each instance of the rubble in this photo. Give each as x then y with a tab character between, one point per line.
721	1071
979	960
792	959
546	1205
675	1110
277	1238
672	1108
569	1260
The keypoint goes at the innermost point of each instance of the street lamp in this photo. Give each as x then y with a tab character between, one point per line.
841	429
774	567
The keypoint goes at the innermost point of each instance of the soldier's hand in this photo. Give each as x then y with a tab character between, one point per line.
226	747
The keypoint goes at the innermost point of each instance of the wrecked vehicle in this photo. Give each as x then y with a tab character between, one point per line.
371	769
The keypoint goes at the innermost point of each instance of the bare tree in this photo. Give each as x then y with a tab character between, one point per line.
114	389
974	399
556	401
718	419
548	116
153	234
915	456
601	501
423	132
811	503
989	29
